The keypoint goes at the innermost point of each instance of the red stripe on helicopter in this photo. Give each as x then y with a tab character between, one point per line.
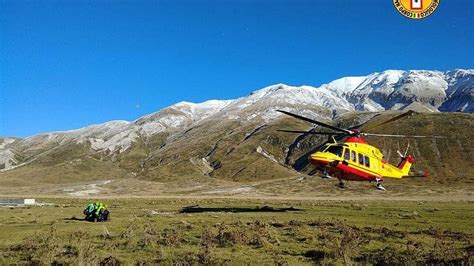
346	171
354	171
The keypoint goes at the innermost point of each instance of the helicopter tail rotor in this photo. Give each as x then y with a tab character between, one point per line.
403	156
400	154
406	151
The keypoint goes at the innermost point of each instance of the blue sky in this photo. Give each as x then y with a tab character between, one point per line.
68	64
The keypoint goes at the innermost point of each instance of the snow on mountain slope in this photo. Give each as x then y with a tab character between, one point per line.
460	91
371	93
395	89
100	130
178	116
79	136
7	155
263	103
199	111
344	86
389	90
117	136
426	87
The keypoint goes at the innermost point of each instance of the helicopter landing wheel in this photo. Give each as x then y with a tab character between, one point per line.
341	184
326	175
378	184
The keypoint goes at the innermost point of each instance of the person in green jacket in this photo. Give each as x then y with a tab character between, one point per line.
101	212
89	212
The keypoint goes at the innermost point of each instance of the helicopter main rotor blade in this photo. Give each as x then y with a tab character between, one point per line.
316	122
308	132
408	113
401	136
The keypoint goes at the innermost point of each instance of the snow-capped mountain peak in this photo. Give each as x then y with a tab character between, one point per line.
199	111
344	86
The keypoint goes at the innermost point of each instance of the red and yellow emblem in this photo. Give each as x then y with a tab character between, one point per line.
416	9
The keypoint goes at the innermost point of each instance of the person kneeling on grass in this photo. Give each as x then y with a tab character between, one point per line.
101	213
96	212
89	212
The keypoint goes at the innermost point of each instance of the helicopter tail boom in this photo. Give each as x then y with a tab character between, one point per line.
406	164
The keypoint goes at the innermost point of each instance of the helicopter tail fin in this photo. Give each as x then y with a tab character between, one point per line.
406	164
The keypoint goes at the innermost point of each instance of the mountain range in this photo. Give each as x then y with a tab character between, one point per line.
189	139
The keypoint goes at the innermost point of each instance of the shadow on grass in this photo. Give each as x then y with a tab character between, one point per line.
74	218
197	209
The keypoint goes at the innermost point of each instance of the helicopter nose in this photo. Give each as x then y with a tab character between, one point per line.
317	160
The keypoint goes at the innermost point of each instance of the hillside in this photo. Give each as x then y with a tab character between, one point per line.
228	154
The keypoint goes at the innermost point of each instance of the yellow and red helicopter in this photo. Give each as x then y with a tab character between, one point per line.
355	159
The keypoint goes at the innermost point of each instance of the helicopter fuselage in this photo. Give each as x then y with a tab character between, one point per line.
356	160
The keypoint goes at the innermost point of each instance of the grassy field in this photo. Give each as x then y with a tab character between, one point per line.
148	231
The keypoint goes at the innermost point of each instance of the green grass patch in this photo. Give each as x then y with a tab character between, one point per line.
154	231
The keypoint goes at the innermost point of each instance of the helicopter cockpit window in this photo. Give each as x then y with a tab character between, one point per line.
337	150
361	159
353	156
322	148
347	154
367	161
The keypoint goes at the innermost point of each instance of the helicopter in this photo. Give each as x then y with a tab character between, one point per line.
355	159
